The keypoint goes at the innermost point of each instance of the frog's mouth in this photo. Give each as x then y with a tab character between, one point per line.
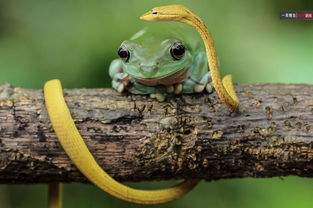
168	79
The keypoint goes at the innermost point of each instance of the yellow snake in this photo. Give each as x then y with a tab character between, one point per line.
179	13
75	147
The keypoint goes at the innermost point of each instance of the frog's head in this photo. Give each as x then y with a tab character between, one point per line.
153	56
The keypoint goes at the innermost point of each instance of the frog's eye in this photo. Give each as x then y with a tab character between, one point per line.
177	50
123	53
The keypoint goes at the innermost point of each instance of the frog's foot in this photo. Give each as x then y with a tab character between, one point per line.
174	89
118	86
120	81
160	97
178	88
200	87
203	84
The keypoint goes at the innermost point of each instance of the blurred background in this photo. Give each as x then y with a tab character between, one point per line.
75	41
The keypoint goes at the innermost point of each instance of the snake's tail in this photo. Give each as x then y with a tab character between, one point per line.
75	147
55	195
228	85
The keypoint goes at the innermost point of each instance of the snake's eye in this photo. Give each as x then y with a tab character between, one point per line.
177	50
123	53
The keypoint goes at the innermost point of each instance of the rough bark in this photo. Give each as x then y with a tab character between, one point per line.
137	138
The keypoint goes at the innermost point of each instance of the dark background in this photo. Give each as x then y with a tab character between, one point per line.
75	40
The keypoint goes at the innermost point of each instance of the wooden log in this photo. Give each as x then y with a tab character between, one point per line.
136	138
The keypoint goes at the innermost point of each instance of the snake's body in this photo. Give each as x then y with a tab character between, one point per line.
75	147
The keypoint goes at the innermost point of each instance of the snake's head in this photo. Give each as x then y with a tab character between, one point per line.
166	13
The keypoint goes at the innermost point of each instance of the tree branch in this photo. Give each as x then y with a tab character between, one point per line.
136	138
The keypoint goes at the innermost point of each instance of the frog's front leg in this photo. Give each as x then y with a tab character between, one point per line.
193	86
120	79
204	83
199	77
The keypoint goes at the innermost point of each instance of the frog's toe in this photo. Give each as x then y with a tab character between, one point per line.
178	89
199	87
160	97
209	88
121	87
118	86
170	89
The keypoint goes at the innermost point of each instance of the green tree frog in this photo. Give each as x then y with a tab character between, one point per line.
162	62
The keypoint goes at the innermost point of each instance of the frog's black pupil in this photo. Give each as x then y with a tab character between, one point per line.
122	53
177	51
